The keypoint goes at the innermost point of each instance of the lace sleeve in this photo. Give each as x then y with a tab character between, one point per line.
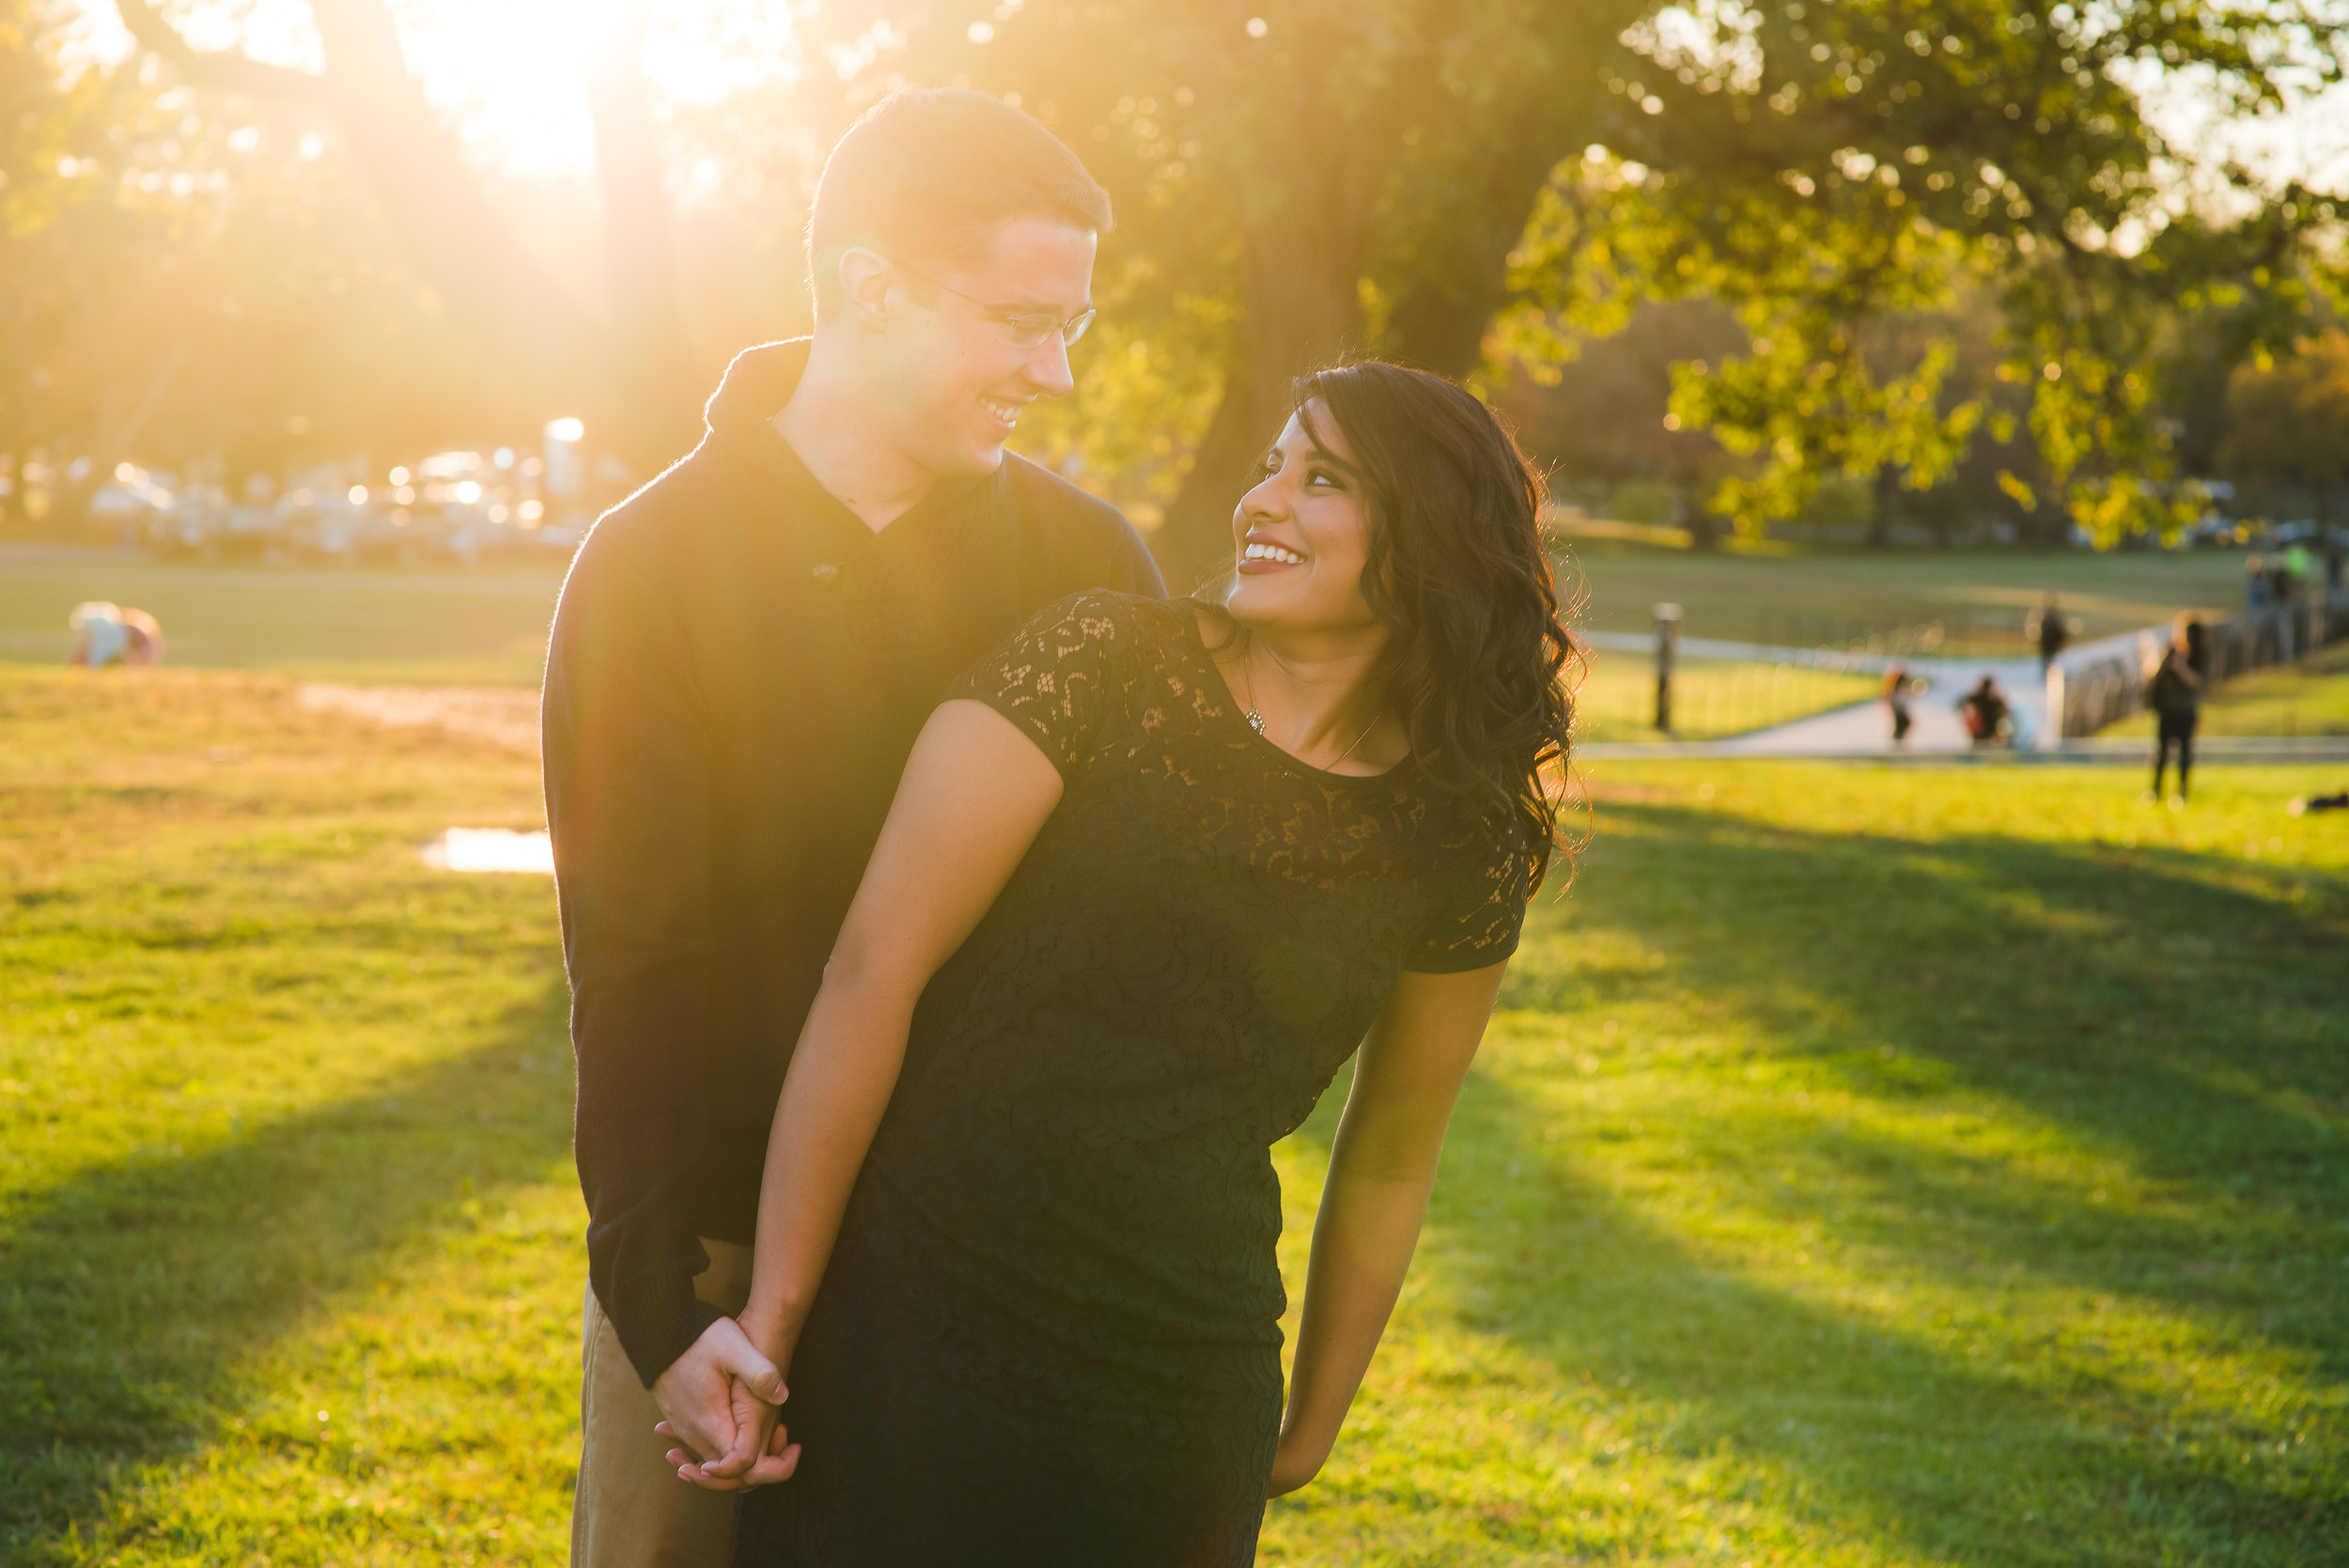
1059	677
1478	919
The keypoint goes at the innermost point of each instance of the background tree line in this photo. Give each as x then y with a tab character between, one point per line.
1937	255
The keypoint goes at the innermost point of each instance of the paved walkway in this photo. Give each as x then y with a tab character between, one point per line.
1864	731
1865	728
2232	749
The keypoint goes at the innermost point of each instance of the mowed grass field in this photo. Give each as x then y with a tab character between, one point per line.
1801	596
488	626
1866	1166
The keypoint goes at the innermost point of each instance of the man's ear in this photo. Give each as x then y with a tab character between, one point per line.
865	280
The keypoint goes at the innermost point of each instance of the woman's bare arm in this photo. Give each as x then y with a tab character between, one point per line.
975	793
1382	1166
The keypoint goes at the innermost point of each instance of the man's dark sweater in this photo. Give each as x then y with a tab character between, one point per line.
737	670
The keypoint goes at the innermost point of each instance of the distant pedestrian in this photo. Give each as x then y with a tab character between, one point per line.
2254	583
2336	555
1897	692
2174	694
1987	715
2051	632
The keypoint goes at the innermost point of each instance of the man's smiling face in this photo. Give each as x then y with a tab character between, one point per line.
960	382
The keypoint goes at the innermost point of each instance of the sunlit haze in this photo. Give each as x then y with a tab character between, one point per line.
505	71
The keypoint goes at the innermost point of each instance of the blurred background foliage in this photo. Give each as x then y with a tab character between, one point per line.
1953	265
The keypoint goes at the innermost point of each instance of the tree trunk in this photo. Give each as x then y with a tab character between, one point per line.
1463	275
1888	489
539	339
1195	543
654	397
1313	173
459	241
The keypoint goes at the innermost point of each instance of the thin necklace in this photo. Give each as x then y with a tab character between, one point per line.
1256	719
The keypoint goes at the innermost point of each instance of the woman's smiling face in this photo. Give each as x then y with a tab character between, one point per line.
1301	537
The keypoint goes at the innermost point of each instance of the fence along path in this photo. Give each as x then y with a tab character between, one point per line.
2095	685
2104	682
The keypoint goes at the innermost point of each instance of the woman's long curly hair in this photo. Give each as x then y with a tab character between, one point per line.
1476	657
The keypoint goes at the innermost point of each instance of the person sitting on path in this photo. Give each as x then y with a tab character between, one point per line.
2175	693
1152	876
743	656
1986	714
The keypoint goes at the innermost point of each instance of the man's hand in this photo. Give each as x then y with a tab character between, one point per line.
713	1397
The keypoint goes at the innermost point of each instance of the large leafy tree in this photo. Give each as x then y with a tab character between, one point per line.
1403	175
1828	166
190	278
1300	178
630	360
2289	419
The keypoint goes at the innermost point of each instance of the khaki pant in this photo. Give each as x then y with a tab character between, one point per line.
630	1510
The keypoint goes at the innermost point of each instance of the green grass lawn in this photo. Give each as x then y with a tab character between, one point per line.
1808	597
1868	1166
490	626
485	627
2310	697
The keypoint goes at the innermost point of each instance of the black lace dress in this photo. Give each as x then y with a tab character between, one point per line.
1049	1332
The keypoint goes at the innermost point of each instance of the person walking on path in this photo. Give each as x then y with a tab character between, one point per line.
2174	694
1152	876
1896	693
2051	632
741	658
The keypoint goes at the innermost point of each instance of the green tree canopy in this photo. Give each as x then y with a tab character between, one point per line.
1309	177
1457	184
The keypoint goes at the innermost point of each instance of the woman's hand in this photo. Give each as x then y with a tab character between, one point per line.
774	1456
1295	1464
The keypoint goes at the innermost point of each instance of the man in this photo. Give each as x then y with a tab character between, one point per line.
743	653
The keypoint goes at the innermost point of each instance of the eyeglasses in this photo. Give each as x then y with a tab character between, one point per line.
1029	331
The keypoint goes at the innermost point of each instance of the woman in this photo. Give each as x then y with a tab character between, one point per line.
1151	875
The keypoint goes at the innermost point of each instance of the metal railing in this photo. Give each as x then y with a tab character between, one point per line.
2087	693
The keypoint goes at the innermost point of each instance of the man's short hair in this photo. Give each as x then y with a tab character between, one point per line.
927	175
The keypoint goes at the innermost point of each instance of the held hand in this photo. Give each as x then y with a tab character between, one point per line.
777	1455
702	1392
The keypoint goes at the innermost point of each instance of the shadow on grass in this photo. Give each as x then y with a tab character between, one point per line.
2152	1012
1882	1434
132	1297
2189	1027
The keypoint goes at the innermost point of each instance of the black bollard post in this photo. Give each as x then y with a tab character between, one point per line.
1667	648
